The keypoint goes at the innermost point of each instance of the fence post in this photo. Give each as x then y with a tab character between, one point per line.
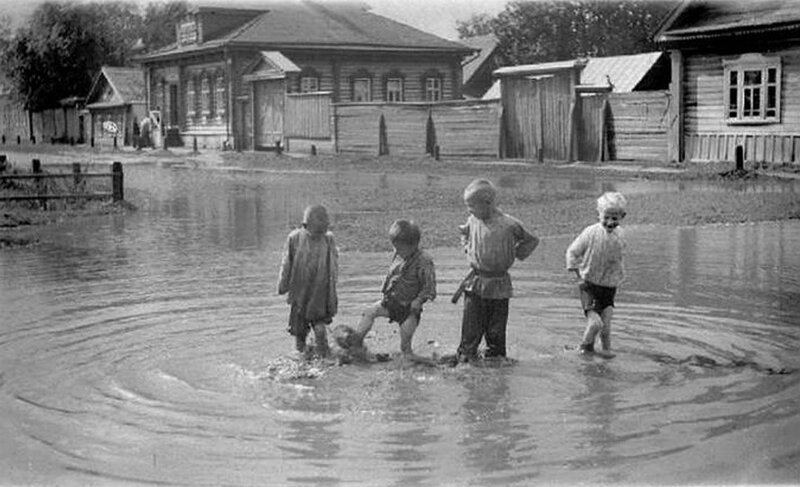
3	163
36	168
383	146
739	158
313	150
76	173
430	136
116	174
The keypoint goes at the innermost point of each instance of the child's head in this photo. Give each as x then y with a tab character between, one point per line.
405	236
479	196
611	209
315	219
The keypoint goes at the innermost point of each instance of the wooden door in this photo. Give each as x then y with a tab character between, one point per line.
268	105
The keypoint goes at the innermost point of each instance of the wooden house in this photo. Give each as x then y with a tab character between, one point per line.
735	80
478	67
115	106
234	72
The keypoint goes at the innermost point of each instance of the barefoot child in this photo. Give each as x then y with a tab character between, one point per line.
492	241
410	283
308	274
595	257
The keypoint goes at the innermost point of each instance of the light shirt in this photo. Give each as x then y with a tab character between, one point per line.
597	255
492	245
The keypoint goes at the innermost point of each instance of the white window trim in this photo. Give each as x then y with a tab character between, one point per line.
368	82
400	92
306	82
751	62
433	84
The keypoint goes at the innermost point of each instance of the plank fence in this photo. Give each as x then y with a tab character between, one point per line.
78	186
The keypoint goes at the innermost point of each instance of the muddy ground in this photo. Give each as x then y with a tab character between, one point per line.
364	216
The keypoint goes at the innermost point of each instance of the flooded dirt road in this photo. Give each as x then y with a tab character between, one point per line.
141	349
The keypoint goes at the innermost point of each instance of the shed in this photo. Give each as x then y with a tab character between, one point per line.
116	105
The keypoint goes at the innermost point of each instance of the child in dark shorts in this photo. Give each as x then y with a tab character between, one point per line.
410	283
595	256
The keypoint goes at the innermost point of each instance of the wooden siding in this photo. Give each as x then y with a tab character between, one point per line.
308	115
13	120
537	117
468	129
707	137
638	123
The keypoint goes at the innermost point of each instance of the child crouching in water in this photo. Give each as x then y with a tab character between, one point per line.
595	257
409	284
308	274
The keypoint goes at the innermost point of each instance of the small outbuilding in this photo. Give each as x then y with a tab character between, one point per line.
116	105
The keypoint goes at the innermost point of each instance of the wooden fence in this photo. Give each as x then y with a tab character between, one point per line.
451	129
308	115
40	188
637	125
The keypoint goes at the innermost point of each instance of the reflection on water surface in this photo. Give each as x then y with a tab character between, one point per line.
139	349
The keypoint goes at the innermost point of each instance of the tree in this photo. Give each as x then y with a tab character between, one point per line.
555	30
63	46
476	25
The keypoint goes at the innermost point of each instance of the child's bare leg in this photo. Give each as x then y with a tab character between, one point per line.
407	329
605	331
321	339
300	343
594	324
367	320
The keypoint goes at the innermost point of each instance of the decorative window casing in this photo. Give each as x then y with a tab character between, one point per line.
191	99
752	89
362	89
309	80
219	95
205	96
394	87
432	85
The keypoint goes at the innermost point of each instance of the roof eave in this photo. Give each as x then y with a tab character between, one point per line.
691	36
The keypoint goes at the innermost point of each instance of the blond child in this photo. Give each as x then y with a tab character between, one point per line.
492	241
308	274
595	257
409	284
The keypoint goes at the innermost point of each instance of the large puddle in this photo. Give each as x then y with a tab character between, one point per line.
142	350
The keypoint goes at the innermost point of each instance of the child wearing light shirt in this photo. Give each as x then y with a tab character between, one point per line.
595	257
493	241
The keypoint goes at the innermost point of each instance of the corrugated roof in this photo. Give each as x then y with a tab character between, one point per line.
717	17
485	47
324	25
624	72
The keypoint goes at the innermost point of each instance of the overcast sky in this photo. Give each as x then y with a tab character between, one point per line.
435	16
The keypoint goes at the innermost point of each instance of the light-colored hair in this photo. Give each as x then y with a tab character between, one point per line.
611	201
482	190
314	212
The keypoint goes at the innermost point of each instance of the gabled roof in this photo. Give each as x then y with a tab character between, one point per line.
115	86
698	20
485	47
317	25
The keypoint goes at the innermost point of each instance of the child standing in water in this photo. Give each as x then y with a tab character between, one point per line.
492	241
410	283
308	274
595	257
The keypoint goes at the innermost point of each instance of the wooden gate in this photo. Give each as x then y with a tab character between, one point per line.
590	134
268	103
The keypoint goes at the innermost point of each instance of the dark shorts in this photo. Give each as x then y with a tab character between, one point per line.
596	298
398	312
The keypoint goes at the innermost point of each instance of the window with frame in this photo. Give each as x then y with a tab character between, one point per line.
191	99
752	89
362	89
205	95
219	95
309	84
433	87
394	90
